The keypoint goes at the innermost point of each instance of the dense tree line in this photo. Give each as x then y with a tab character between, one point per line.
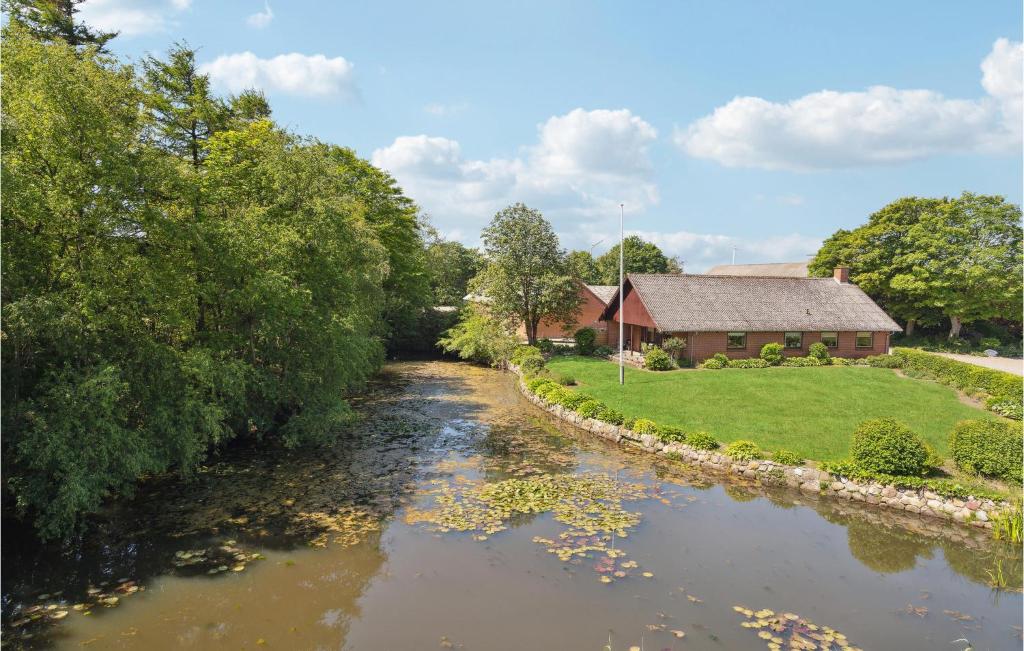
640	257
178	270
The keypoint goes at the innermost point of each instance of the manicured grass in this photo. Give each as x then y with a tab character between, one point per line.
810	411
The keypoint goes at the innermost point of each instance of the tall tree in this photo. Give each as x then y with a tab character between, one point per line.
452	265
54	20
640	257
526	279
927	259
582	266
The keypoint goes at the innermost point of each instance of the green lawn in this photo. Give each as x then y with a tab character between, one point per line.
811	411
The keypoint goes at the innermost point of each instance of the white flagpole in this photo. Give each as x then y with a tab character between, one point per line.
622	367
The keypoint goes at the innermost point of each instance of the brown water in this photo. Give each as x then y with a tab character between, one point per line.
360	547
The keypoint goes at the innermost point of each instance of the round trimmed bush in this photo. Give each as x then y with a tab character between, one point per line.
888	446
743	450
786	457
987	447
533	383
645	426
772	353
585	338
589	408
571	399
701	441
544	388
818	351
556	394
656	359
532	365
565	379
610	416
671	434
522	352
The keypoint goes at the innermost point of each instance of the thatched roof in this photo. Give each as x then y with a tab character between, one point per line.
603	292
775	269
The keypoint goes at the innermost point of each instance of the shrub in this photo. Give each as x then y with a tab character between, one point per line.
786	457
722	357
1004	387
988	447
888	446
544	390
589	408
555	394
546	346
628	422
585	338
522	352
645	426
1004	407
751	362
743	450
801	361
603	351
842	361
531	365
565	379
883	361
657	359
571	399
701	441
610	416
989	342
772	353
713	363
671	434
818	351
533	383
674	346
480	338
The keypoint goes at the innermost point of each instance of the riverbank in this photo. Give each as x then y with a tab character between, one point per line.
970	510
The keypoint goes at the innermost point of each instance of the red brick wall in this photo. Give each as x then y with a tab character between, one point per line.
590	312
702	345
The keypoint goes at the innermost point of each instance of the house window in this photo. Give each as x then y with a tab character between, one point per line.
794	340
830	339
865	339
736	340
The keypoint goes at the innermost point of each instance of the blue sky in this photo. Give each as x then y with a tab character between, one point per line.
760	125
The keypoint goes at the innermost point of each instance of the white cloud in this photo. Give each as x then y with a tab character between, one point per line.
699	251
132	17
584	163
298	74
445	110
830	129
260	19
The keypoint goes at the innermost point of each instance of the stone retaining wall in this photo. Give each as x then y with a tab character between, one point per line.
974	512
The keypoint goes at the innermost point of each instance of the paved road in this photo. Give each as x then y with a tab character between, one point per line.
1008	364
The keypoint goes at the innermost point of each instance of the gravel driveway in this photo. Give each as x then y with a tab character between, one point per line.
1008	364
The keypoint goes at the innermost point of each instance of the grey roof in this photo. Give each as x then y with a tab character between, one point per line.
779	269
706	303
604	292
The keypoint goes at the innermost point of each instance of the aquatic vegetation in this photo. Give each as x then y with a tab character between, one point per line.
1009	525
792	631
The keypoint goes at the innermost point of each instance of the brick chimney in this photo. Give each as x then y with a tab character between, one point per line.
841	274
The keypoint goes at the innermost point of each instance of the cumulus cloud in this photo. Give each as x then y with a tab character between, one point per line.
260	19
299	74
584	163
830	129
132	17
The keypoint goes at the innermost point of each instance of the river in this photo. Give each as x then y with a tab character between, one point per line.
457	515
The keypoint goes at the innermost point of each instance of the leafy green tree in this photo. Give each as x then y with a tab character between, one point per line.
526	279
479	337
583	266
249	105
928	259
54	20
451	265
640	257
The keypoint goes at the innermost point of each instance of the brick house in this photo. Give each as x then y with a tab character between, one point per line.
736	315
594	300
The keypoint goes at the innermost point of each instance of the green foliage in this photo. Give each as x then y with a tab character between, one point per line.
628	422
565	379
526	278
640	257
887	446
585	338
534	383
883	361
787	458
818	351
532	365
671	434
644	426
611	416
713	363
750	362
743	450
1009	525
522	352
772	353
701	441
589	408
989	342
1005	388
452	265
842	361
941	486
802	361
674	346
987	447
722	357
582	266
656	359
546	346
544	390
603	351
571	399
480	338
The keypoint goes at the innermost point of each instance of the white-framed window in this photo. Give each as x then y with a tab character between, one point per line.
794	340
865	339
830	339
736	340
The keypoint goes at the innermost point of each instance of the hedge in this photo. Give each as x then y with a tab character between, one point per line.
1005	388
886	445
989	448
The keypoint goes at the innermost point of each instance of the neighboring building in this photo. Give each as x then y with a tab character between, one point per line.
773	270
736	315
594	300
